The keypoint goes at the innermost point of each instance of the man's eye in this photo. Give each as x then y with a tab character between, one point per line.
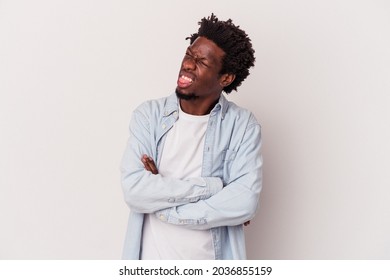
203	63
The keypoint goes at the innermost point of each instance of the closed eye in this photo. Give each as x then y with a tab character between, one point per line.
198	60
203	62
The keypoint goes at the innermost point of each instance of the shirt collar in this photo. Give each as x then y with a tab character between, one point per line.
172	104
221	105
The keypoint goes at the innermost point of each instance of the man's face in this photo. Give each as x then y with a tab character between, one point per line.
199	73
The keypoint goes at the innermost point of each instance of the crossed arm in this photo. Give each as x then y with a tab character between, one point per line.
149	165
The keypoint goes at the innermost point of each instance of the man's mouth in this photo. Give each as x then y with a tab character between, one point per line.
184	81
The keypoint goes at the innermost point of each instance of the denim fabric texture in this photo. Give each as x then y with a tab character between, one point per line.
227	194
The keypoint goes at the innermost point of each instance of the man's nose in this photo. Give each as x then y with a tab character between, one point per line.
189	63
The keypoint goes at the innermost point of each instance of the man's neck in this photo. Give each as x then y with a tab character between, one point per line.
193	107
198	107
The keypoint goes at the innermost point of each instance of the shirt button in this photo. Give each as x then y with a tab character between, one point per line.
162	217
164	126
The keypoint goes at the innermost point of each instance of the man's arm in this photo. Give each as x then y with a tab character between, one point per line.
151	166
237	202
146	192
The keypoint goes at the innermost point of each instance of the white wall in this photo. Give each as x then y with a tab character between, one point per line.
71	72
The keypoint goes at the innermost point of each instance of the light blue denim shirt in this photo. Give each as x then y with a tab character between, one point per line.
227	194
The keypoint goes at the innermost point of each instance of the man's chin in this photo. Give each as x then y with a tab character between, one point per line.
188	96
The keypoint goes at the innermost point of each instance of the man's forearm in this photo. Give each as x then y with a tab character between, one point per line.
146	192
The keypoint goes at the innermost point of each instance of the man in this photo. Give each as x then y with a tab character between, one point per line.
191	172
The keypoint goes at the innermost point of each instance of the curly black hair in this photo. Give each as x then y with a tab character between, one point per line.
239	54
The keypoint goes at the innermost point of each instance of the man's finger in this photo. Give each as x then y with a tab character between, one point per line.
149	164
144	160
152	165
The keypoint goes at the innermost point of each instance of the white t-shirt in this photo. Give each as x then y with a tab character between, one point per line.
181	158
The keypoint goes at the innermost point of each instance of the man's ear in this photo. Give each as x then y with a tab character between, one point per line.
227	79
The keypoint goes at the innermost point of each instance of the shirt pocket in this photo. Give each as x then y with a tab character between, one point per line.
228	158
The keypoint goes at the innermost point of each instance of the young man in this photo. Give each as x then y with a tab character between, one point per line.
192	169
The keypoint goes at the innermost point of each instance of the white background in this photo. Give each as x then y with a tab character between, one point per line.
72	71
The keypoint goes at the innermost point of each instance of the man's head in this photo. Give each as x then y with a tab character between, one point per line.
238	52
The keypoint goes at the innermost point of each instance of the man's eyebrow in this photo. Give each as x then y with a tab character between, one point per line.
199	57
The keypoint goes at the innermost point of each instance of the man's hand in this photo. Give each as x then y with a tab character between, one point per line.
149	164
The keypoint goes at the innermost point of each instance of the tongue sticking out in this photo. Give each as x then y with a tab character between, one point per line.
184	82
